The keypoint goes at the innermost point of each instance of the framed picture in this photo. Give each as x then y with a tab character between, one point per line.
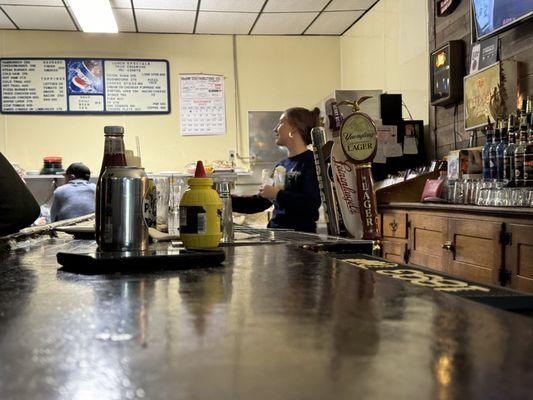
479	87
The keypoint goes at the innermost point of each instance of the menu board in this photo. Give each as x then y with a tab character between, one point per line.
75	85
202	107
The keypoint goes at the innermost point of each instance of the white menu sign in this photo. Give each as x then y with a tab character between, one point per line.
202	107
33	85
133	86
84	85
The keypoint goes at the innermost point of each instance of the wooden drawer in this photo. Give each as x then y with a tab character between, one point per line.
394	225
394	251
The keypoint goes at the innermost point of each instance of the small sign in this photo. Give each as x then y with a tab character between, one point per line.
359	138
474	59
489	52
446	7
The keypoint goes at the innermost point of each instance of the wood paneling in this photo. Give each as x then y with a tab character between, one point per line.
516	44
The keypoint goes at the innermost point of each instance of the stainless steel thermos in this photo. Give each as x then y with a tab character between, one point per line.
122	200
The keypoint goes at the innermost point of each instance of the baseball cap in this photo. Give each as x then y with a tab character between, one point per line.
79	170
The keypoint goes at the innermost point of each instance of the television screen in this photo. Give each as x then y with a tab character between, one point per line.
493	15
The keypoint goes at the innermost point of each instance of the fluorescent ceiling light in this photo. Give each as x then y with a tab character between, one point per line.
94	15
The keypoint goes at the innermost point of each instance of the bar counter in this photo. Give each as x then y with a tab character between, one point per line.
273	322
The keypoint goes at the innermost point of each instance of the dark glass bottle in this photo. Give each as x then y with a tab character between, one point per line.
114	151
114	156
508	155
520	152
528	157
493	154
485	154
500	149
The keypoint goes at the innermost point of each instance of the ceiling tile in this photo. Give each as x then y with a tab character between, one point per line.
225	22
344	5
5	23
46	18
232	5
119	3
333	23
165	21
124	18
294	5
184	5
283	23
57	3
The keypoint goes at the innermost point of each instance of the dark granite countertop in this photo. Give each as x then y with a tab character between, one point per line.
275	322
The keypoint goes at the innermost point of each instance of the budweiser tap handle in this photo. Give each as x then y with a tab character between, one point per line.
367	201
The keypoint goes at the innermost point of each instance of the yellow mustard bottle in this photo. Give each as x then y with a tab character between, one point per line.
200	212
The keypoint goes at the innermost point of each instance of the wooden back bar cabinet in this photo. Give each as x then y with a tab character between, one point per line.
483	244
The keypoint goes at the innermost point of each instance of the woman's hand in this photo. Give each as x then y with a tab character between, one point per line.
269	192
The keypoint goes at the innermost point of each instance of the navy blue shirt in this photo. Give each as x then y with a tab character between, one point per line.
296	206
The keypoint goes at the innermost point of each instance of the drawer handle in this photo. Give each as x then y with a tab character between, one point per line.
393	225
448	246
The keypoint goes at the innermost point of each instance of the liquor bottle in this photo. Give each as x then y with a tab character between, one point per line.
493	153
500	149
520	152
485	154
114	155
508	154
528	157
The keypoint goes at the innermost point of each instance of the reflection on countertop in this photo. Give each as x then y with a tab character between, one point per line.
275	321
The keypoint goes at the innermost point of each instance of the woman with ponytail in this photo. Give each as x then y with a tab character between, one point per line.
296	203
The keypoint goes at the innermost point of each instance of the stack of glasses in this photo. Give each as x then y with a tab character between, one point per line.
494	193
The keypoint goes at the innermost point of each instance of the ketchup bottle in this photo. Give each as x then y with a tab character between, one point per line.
114	156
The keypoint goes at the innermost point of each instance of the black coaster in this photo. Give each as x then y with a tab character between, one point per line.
100	262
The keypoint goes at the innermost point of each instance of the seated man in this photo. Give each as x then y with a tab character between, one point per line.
76	197
18	207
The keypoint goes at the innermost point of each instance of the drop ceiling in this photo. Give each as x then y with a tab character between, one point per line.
241	17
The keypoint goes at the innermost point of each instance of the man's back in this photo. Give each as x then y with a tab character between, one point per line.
73	199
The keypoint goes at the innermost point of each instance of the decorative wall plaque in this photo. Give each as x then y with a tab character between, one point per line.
359	137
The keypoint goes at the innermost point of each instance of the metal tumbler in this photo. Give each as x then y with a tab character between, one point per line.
122	205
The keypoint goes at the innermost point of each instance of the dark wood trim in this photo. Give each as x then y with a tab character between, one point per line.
512	212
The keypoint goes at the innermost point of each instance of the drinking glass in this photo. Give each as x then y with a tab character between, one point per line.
177	188
162	190
483	196
493	199
266	177
520	198
459	192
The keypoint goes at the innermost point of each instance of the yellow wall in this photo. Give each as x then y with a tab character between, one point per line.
388	49
274	73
